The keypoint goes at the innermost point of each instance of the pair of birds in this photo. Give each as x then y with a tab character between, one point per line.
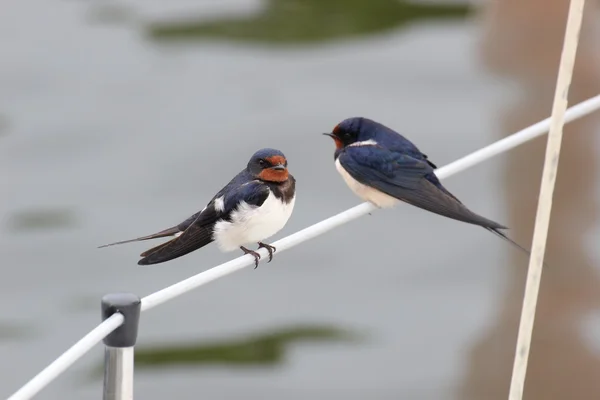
378	164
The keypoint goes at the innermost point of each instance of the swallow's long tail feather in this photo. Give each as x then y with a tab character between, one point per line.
496	232
167	232
195	237
517	245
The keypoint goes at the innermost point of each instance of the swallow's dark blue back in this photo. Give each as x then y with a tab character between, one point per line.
386	137
404	158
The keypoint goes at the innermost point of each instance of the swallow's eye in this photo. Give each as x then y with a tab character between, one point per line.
262	162
347	135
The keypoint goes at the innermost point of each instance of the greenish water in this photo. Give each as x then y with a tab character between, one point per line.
286	22
268	348
249	350
41	219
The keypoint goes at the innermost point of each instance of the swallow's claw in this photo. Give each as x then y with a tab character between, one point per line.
270	249
253	253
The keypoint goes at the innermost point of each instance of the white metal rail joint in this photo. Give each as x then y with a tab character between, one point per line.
118	352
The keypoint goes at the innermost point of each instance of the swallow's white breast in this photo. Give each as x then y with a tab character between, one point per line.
250	224
365	192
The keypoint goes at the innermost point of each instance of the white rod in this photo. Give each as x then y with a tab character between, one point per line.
101	331
538	129
542	218
63	362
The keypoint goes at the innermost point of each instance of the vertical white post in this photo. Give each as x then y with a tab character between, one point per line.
118	354
542	219
118	373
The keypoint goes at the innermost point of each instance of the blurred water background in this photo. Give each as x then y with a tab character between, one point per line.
121	118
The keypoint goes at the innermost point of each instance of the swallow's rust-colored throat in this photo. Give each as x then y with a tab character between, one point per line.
274	175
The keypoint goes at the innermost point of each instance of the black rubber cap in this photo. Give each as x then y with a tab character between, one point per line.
130	306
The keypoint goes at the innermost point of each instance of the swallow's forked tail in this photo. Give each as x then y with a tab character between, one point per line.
496	232
167	232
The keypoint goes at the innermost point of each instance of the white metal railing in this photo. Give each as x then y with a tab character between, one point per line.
116	319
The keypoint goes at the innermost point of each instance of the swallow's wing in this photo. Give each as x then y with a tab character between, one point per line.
408	179
395	142
199	233
384	169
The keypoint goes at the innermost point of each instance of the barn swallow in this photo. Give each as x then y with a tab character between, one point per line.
253	206
383	167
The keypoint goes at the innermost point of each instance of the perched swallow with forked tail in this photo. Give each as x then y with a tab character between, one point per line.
383	167
253	206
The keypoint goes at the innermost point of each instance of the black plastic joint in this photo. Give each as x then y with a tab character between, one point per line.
130	306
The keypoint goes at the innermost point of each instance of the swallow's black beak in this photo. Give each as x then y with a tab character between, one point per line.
329	134
278	167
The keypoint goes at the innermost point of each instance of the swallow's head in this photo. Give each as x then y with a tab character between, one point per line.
352	130
268	165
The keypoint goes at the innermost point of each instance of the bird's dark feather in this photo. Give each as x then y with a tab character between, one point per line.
194	237
155	248
408	179
284	191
